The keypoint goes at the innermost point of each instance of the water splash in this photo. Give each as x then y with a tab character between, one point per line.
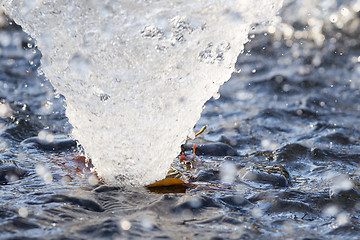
136	74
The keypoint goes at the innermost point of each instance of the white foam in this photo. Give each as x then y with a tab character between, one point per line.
135	74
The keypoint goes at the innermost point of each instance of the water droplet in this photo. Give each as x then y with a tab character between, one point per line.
5	110
288	227
5	39
216	96
45	136
104	97
151	32
342	219
299	112
11	177
341	183
125	224
330	211
257	212
268	144
65	180
44	173
286	87
79	64
93	180
23	212
228	172
147	224
195	202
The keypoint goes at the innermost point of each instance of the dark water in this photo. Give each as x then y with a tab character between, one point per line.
279	159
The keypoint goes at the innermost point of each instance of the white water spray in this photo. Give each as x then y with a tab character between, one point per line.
135	74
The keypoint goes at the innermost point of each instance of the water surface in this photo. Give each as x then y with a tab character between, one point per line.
279	159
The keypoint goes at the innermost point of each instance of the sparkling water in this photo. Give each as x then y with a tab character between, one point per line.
135	74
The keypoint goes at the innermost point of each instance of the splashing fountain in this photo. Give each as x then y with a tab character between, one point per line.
136	74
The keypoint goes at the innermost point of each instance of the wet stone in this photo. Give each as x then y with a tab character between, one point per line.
345	197
291	152
23	224
6	213
59	143
275	84
275	175
235	202
206	176
288	202
338	138
240	141
107	229
212	149
283	205
349	230
196	204
10	174
87	204
22	130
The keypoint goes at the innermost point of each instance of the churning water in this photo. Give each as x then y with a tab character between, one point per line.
137	73
280	156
